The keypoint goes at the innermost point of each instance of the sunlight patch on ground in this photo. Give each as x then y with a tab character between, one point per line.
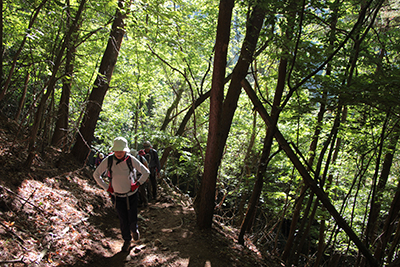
171	260
115	245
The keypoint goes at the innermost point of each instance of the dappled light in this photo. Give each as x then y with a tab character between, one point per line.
268	133
58	216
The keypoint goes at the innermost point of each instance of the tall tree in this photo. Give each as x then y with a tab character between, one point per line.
268	140
221	116
61	127
306	175
388	228
85	134
14	63
204	203
50	88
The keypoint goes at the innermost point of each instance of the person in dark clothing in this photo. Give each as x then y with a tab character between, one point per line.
143	189
99	159
151	156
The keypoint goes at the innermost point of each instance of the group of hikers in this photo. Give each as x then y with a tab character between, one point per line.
124	174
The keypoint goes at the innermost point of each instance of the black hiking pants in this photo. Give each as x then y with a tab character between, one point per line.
127	217
153	183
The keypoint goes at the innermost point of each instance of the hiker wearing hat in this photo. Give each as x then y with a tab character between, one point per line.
99	159
154	165
122	187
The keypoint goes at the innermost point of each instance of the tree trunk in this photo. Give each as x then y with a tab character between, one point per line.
378	187
304	232
85	134
50	89
306	176
23	96
221	119
293	224
246	172
14	63
386	232
215	149
174	104
263	164
396	239
61	129
183	124
204	202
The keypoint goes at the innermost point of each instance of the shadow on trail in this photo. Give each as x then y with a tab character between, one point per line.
117	260
169	237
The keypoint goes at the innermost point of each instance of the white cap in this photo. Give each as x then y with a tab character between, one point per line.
120	144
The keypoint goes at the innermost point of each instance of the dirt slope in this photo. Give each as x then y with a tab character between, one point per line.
55	215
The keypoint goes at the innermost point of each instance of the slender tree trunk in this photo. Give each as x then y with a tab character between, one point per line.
384	237
388	228
263	164
22	100
378	187
174	104
14	63
48	122
49	91
204	202
182	126
85	134
306	176
293	224
308	222
396	239
136	119
61	129
246	171
321	241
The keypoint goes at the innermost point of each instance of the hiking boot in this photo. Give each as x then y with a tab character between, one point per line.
136	235
126	246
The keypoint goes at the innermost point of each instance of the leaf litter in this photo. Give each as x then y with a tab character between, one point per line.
54	214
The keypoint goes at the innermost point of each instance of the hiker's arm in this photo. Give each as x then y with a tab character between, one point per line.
142	169
97	175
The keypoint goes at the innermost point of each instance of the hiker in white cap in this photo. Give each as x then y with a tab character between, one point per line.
119	167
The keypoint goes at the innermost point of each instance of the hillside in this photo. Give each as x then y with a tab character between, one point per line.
55	215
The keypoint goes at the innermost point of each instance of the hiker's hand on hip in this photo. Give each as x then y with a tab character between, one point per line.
135	186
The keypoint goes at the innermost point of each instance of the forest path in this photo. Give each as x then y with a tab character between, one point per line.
54	214
169	237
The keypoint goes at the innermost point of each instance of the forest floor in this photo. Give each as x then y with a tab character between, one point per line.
53	214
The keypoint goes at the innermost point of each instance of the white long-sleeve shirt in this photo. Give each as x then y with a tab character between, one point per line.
121	181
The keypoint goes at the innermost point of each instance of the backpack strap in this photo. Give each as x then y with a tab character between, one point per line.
129	162
109	165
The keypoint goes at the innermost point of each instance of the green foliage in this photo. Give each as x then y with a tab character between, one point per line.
165	64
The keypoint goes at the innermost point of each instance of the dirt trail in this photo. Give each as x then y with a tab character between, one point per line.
54	214
169	237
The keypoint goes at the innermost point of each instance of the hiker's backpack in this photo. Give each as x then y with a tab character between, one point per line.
109	171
